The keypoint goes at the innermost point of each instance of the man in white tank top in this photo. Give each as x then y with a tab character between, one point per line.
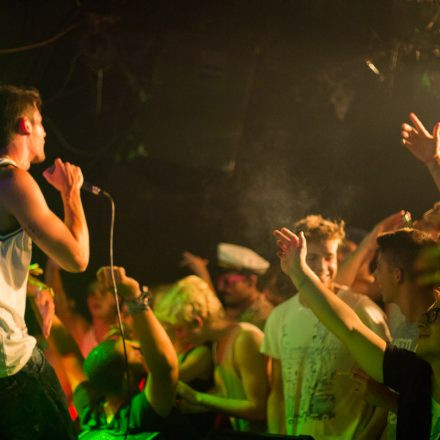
31	400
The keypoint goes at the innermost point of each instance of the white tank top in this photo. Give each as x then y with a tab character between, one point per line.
16	344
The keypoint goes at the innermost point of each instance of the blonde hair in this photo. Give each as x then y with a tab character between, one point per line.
187	299
317	228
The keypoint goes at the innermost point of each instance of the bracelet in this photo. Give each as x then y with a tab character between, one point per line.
141	303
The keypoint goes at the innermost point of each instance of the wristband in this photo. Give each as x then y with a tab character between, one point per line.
141	303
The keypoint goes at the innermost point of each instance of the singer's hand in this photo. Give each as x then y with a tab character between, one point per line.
46	306
64	176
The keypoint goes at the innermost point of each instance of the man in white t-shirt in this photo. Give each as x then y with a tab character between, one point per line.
312	391
415	376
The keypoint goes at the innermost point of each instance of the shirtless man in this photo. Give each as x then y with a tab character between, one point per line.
32	402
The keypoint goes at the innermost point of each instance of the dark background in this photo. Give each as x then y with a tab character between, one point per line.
219	120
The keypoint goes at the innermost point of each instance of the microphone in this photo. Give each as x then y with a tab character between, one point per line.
93	189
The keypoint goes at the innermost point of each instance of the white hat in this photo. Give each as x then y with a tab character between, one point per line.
241	258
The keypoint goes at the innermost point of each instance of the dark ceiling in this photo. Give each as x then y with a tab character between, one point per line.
218	120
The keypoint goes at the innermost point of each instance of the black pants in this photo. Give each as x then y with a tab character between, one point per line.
33	405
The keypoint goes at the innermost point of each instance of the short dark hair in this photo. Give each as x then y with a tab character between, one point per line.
318	228
403	247
15	102
105	368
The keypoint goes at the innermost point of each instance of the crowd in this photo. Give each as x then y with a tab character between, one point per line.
337	338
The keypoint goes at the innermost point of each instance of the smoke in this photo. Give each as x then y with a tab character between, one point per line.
272	198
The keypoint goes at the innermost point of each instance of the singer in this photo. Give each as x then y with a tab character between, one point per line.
32	403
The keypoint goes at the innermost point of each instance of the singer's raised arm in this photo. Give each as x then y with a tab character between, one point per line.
67	243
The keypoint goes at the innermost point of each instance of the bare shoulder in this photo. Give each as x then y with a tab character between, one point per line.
20	197
247	353
12	177
18	188
248	335
12	180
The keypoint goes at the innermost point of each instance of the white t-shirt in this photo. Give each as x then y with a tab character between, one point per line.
318	391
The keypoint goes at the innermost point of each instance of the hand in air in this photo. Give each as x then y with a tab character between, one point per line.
292	251
193	262
422	144
64	176
128	288
392	222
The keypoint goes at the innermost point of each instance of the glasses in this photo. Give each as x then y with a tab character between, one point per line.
431	315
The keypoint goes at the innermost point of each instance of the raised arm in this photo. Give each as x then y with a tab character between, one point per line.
76	324
350	267
365	346
423	145
156	346
198	266
67	243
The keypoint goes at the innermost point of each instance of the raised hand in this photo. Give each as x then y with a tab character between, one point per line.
292	251
64	176
128	288
392	222
422	144
194	263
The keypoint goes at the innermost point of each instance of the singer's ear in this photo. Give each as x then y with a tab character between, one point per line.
24	126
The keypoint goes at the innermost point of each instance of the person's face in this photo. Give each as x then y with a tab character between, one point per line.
322	258
428	342
189	333
101	302
37	137
234	288
385	279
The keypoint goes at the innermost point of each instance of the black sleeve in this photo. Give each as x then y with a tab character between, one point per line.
402	367
143	416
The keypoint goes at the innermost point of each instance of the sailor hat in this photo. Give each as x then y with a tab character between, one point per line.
232	256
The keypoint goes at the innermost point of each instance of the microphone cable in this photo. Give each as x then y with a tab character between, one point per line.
99	192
